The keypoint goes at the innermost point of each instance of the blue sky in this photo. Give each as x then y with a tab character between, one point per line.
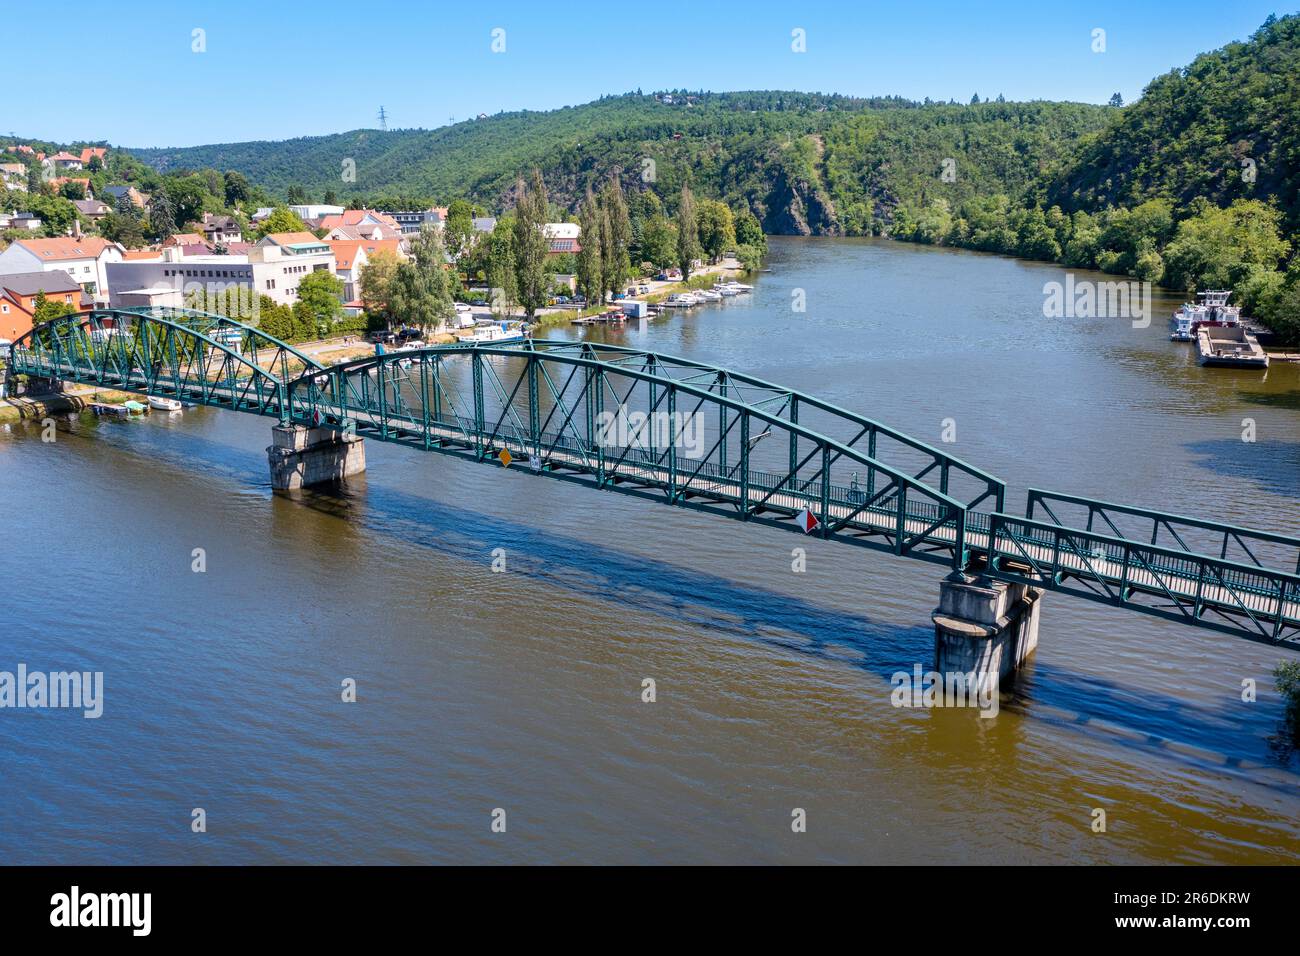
272	70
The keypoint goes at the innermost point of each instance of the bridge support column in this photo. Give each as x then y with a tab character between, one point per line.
983	625
300	456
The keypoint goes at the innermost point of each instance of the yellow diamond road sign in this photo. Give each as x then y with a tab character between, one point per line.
506	457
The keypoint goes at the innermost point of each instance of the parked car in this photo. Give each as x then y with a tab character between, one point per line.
478	303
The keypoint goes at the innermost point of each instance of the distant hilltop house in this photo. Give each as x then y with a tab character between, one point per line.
18	292
93	152
84	258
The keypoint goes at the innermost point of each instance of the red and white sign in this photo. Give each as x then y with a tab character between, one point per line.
806	520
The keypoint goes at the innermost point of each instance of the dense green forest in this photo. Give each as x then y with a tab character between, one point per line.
803	163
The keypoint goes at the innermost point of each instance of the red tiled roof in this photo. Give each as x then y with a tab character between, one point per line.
65	247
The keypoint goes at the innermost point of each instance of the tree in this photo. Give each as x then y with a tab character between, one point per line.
162	218
320	297
236	188
591	282
1116	100
659	241
533	284
377	285
1226	248
458	231
280	220
419	293
748	230
717	229
44	310
501	273
688	242
615	236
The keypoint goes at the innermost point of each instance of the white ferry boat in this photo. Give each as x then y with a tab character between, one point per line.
1212	311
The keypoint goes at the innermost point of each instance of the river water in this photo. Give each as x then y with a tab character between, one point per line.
522	691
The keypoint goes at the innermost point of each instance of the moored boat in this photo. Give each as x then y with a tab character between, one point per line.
164	404
1229	346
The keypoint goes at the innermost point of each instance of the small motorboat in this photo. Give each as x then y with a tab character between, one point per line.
135	408
164	404
109	410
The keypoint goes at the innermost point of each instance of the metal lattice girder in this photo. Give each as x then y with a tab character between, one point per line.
1262	549
692	440
1263	604
168	353
937	468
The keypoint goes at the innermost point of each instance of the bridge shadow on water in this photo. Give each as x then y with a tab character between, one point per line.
1273	465
1146	721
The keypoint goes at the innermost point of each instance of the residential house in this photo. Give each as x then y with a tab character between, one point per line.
18	292
14	176
221	229
114	193
57	182
90	152
411	222
84	258
63	160
309	212
351	257
366	223
20	220
563	237
91	210
183	239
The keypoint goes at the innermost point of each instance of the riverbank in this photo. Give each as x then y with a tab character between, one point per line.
36	407
728	268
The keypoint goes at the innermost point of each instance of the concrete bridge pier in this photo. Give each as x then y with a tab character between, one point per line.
300	456
983	625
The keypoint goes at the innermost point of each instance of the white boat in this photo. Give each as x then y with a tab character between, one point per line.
493	335
725	290
1212	311
164	404
681	300
709	295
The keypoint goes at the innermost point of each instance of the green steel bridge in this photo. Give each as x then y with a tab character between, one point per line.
689	434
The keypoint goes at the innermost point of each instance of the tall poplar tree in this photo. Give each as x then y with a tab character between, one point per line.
590	242
531	246
688	237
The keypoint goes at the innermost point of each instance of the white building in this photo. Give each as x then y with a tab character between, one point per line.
315	211
274	268
84	258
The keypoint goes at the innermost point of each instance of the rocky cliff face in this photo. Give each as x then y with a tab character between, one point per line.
799	208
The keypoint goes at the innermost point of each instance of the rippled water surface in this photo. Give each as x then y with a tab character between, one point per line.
522	690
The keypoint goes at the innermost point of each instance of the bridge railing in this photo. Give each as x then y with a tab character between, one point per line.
1262	603
1263	549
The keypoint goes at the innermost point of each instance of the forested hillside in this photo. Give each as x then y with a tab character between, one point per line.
803	163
